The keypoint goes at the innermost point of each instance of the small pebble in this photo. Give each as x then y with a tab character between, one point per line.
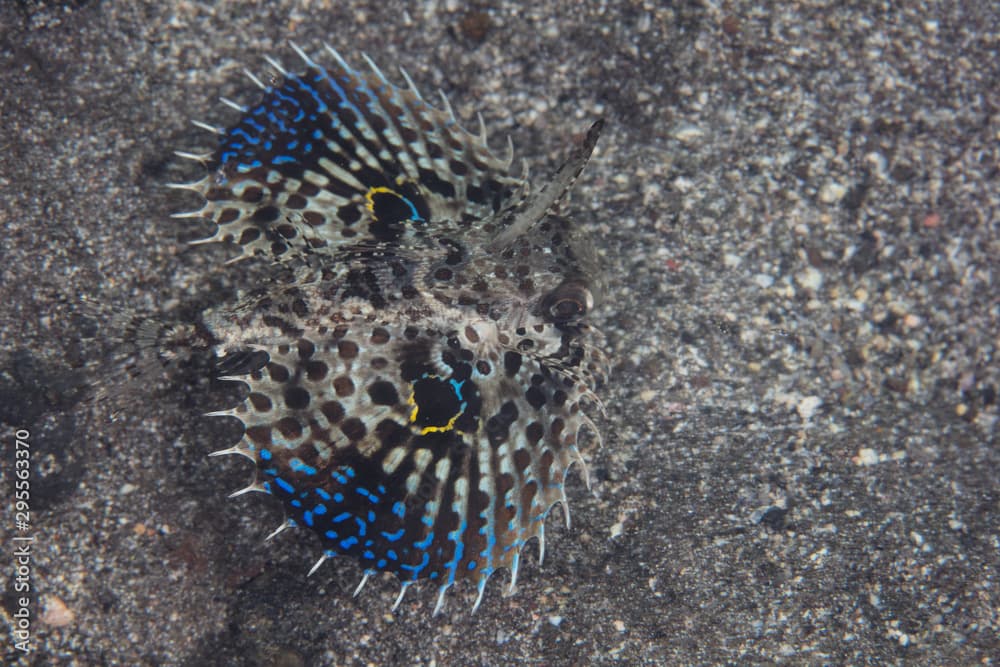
688	133
807	407
811	278
832	193
55	612
866	457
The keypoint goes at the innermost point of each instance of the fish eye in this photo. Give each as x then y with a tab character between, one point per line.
570	301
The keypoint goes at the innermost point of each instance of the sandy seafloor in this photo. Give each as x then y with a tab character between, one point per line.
798	211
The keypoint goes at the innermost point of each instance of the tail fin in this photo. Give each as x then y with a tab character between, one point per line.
136	353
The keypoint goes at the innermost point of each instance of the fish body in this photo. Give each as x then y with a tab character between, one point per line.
417	384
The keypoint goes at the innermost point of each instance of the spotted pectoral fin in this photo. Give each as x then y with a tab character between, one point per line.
430	456
334	156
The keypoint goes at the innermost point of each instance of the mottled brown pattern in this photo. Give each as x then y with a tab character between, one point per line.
428	357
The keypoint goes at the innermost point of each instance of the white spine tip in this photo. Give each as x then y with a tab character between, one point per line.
447	105
276	65
200	158
439	605
191	187
374	68
336	56
302	54
479	597
482	128
233	451
361	584
399	598
322	559
541	543
409	83
237	260
253	488
513	573
233	105
210	128
277	531
253	77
